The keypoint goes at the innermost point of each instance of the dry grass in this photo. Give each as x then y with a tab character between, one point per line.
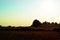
29	35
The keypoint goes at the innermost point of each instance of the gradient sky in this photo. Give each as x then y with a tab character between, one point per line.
23	12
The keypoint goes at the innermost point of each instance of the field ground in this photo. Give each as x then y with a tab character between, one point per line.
29	35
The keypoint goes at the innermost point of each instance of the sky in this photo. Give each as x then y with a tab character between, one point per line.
23	12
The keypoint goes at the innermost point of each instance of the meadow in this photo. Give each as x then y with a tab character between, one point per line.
29	35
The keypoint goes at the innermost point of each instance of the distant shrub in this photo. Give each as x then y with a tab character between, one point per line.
9	26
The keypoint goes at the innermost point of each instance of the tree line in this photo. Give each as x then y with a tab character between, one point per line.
37	23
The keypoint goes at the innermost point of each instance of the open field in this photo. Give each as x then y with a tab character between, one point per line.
29	35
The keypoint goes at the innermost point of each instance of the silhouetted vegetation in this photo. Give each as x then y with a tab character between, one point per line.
0	26
9	26
36	23
37	31
36	26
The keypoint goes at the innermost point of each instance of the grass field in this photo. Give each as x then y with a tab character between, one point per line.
29	35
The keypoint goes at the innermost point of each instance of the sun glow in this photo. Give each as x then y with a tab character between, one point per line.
48	10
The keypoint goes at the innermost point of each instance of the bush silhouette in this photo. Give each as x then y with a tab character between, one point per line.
46	22
36	23
9	26
52	23
56	23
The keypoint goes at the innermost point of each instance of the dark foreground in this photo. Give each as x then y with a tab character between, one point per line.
29	35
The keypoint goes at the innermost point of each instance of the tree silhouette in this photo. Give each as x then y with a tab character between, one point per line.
9	26
56	23
46	22
36	23
52	23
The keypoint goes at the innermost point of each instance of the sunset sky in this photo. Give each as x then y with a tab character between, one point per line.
23	12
